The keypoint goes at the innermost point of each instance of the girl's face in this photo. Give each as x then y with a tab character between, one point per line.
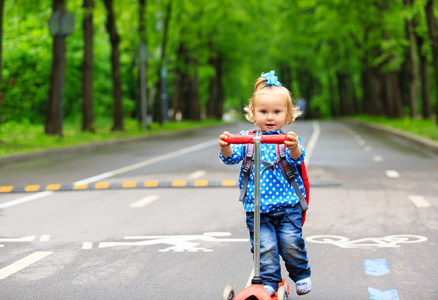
270	111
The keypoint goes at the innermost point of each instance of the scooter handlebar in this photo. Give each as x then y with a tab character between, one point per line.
248	139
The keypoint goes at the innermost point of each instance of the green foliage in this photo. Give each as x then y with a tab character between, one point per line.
313	43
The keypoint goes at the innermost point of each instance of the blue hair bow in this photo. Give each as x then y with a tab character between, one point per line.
272	79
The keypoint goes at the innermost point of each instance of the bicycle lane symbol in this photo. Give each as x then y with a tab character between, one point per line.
177	243
390	241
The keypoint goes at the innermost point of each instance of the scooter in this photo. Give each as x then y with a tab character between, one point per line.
256	290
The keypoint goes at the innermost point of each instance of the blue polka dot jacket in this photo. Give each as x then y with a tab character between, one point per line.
275	189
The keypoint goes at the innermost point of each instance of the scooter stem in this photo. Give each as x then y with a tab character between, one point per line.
257	142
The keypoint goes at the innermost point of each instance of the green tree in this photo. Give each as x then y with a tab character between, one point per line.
87	67
115	63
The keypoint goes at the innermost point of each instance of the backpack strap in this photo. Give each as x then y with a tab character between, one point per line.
290	173
247	166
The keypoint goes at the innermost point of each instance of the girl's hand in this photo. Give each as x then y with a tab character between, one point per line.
292	145
226	149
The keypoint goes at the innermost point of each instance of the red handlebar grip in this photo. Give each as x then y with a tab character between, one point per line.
274	139
247	139
239	139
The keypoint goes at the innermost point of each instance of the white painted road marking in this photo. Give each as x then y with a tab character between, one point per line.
178	243
145	201
25	199
87	245
13	240
391	241
419	201
197	174
392	174
45	238
312	142
23	263
377	158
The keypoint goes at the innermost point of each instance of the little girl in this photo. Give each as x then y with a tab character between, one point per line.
270	107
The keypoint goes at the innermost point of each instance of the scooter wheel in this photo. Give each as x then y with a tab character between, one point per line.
228	293
282	293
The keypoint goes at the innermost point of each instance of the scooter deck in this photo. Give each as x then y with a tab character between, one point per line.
258	291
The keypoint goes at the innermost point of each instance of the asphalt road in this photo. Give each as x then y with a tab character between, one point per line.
371	230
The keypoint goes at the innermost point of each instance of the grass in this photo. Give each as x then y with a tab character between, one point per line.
18	138
424	128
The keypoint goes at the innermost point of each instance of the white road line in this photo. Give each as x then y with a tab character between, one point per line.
377	158
45	238
94	178
367	148
197	174
148	162
312	142
25	199
419	201
14	240
116	172
248	283
144	201
361	142
23	263
392	174
87	245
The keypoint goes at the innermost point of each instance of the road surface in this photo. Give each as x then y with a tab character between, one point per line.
174	228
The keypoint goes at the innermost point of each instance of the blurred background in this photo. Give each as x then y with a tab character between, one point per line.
80	65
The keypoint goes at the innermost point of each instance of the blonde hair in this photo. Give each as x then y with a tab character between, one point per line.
260	87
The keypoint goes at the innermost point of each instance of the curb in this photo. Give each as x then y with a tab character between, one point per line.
418	141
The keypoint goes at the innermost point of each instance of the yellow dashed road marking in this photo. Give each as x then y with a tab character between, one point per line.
80	186
229	182
179	183
6	189
129	184
201	183
101	185
53	187
32	188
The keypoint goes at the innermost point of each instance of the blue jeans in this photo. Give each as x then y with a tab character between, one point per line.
280	234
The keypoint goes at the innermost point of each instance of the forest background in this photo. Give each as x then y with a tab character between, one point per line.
191	60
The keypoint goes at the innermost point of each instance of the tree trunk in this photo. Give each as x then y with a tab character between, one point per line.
413	65
216	97
2	6
195	108
377	90
53	123
162	104
2	97
431	25
115	62
425	81
87	68
178	84
394	103
342	80
142	78
219	103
